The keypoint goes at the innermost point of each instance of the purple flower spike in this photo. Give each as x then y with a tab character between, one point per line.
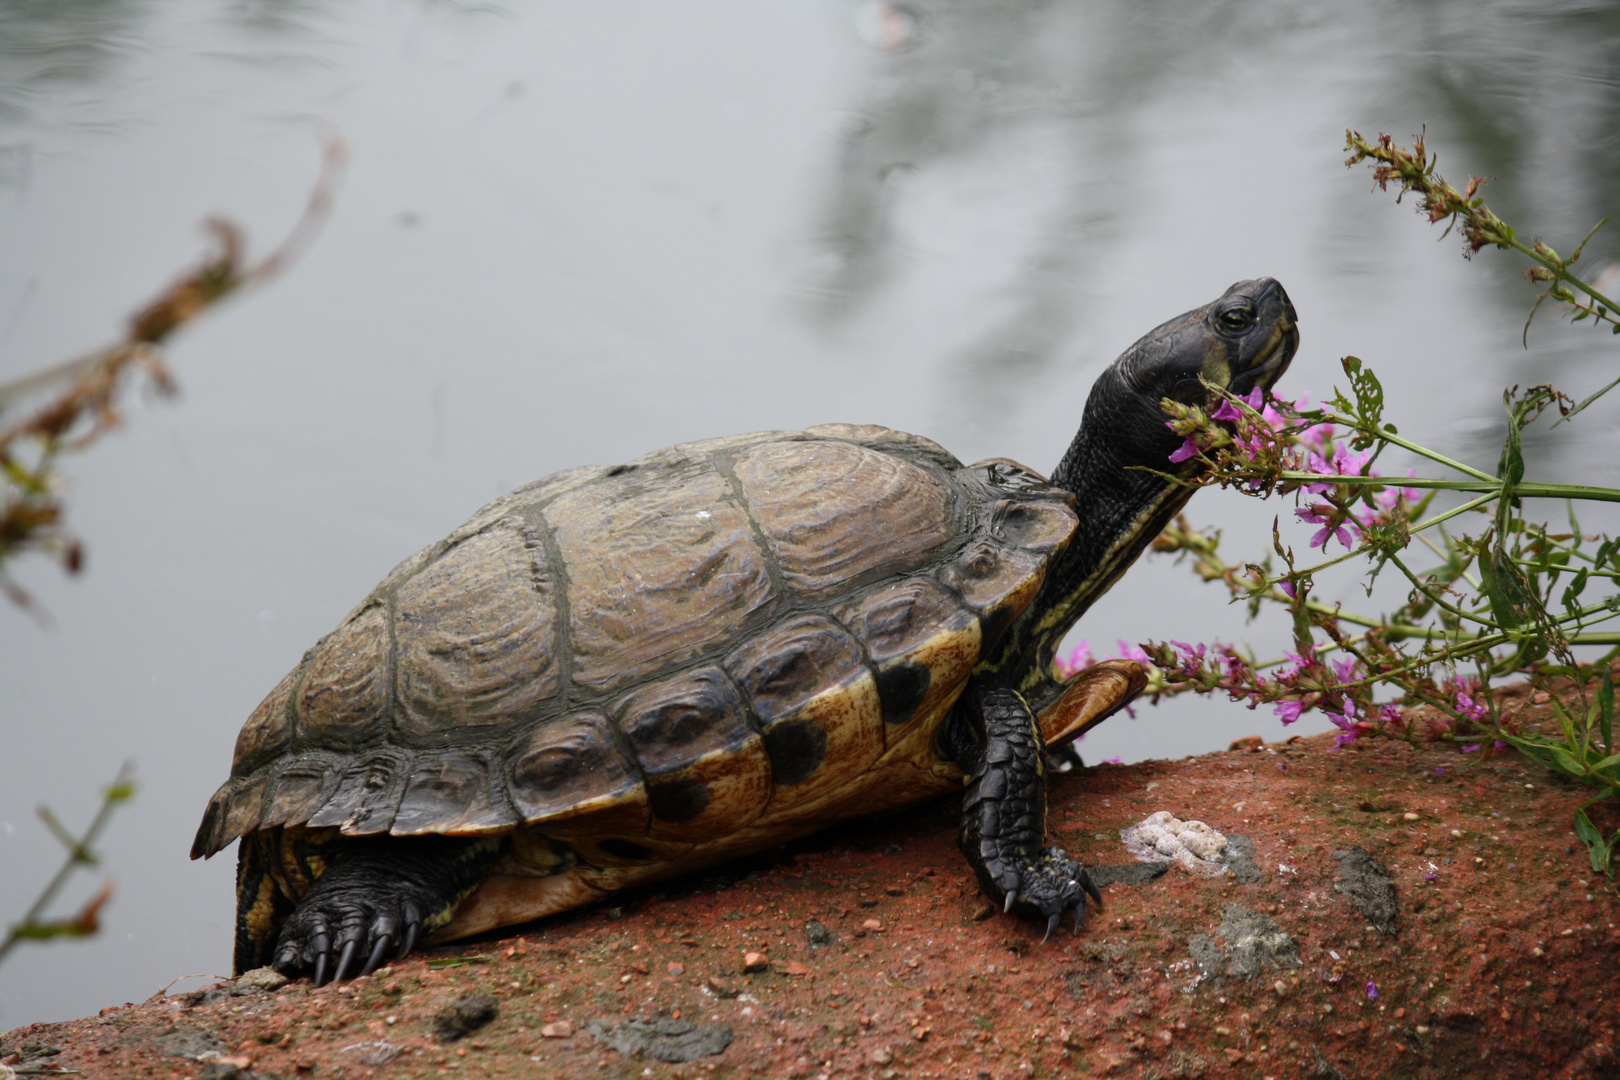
1227	411
1372	991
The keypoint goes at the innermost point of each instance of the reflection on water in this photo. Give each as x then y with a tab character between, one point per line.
1528	95
574	232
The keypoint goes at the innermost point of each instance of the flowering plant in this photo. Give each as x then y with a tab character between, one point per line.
1509	600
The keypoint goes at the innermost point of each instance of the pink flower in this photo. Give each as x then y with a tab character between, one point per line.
1289	711
1323	514
1469	704
1347	462
1319	465
1349	729
1133	652
1188	449
1078	659
1346	669
1300	663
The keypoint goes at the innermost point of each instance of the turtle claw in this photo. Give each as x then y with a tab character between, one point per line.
378	953
346	959
1050	885
320	969
413	926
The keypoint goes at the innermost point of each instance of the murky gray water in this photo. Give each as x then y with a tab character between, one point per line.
574	232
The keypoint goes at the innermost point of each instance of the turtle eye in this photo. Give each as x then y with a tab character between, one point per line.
1236	320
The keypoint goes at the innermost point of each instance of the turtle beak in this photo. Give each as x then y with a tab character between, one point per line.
1266	355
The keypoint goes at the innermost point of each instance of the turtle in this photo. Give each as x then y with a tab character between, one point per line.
617	674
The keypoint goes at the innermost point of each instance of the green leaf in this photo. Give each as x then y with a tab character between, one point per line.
458	961
1369	403
38	931
1538	747
1608	769
1568	764
1598	849
1572	591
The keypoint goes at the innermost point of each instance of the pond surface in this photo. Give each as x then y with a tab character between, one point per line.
573	232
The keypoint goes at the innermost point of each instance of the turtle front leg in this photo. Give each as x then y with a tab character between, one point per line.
379	897
1004	815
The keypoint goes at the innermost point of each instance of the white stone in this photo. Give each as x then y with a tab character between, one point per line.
1162	836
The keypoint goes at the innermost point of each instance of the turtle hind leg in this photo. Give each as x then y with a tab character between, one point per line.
1004	815
262	904
379	897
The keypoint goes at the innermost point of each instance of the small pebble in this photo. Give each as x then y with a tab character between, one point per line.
754	961
874	925
561	1029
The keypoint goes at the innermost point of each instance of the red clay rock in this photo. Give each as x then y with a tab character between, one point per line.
1503	962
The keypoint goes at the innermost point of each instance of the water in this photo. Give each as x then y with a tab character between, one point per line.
574	232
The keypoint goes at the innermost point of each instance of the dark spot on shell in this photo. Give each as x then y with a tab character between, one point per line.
625	849
994	622
678	800
796	749
620	470
902	688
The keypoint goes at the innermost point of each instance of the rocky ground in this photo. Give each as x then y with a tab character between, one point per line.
1381	911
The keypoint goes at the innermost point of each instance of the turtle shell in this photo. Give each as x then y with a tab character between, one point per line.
718	636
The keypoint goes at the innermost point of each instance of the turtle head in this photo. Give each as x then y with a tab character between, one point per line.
1241	340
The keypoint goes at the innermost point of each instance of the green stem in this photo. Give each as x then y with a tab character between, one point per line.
78	855
1492	486
1435	599
1552	265
1389	436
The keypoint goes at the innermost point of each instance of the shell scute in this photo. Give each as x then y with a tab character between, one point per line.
888	439
268	730
706	769
569	776
476	635
996	580
343	703
922	643
367	796
662	566
833	511
304	785
817	703
453	794
1043	526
